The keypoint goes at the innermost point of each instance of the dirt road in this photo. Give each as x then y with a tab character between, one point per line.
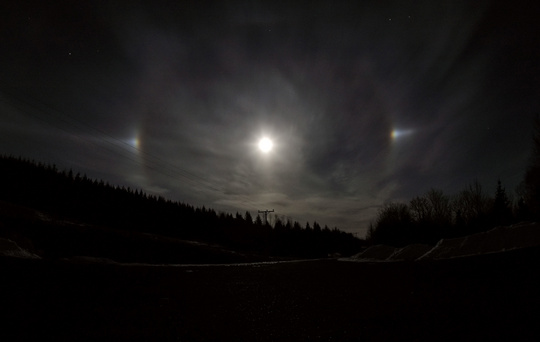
481	298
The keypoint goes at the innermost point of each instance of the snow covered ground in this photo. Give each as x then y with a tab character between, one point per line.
499	239
11	249
496	240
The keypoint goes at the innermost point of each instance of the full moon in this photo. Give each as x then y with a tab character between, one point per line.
265	145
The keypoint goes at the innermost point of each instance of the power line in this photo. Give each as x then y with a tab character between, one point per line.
265	212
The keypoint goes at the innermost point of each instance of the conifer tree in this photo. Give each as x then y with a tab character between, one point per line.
248	218
531	181
502	212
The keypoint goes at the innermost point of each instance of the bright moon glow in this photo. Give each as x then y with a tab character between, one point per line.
265	145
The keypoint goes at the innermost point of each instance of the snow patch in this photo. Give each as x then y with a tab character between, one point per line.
496	240
83	259
410	253
499	239
10	248
375	253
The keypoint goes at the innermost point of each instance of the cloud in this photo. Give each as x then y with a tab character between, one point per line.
198	87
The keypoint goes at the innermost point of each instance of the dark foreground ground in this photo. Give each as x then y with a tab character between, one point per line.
493	297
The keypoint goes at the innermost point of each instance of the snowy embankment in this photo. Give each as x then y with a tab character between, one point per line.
496	240
31	234
11	249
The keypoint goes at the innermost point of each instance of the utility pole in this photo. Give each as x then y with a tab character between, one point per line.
265	212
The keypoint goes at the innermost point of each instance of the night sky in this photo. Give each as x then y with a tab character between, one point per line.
365	102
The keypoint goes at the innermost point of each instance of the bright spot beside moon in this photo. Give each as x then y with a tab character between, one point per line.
396	133
265	145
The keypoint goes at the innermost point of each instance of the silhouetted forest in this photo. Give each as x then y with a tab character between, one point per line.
427	219
433	216
76	197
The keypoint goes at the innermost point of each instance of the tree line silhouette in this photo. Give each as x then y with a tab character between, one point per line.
433	216
427	219
76	197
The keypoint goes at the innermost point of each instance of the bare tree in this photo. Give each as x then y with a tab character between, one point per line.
392	225
434	208
421	210
472	205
